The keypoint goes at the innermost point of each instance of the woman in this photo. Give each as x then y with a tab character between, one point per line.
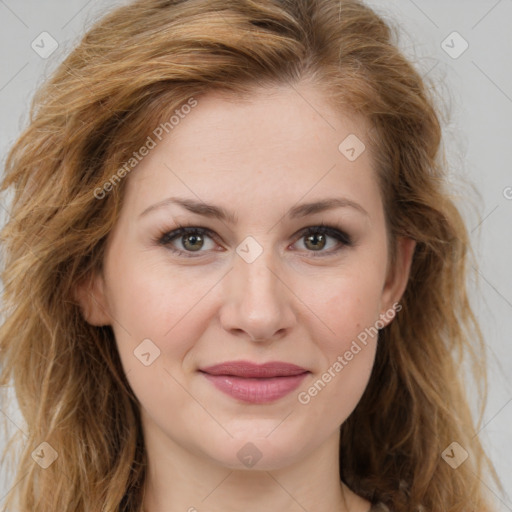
234	279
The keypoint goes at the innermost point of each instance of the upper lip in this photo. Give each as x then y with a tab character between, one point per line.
251	370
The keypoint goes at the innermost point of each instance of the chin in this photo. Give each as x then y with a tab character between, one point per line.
255	452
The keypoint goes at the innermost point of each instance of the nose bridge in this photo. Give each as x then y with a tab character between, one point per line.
257	270
260	304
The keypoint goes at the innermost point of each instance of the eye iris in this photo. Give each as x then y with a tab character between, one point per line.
315	237
194	239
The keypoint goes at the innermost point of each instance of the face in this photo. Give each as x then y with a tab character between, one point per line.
264	284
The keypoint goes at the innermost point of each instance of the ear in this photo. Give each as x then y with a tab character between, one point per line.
90	295
398	275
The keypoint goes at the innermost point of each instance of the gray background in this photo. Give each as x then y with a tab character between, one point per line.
476	87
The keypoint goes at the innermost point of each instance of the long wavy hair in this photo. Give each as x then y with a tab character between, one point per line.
129	73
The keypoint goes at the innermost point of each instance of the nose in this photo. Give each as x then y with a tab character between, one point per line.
257	302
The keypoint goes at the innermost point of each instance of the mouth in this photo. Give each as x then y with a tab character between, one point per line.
254	383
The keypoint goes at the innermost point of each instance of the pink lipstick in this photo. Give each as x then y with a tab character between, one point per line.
254	383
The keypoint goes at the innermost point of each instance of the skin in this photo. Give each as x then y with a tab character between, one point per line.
258	159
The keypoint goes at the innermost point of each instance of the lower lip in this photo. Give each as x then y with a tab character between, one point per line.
256	391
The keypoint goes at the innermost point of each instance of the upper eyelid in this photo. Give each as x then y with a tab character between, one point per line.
210	232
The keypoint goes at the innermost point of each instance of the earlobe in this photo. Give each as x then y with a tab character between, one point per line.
398	276
90	295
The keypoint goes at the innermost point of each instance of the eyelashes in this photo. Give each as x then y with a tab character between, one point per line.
167	239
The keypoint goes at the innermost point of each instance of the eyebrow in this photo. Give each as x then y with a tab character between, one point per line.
218	212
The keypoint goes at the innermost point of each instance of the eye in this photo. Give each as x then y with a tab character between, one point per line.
192	240
316	237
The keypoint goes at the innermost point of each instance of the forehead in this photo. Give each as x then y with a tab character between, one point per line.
276	143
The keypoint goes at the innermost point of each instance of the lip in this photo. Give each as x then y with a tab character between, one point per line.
248	369
255	383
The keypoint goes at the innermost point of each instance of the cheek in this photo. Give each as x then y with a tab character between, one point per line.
347	361
155	304
153	297
156	323
348	303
